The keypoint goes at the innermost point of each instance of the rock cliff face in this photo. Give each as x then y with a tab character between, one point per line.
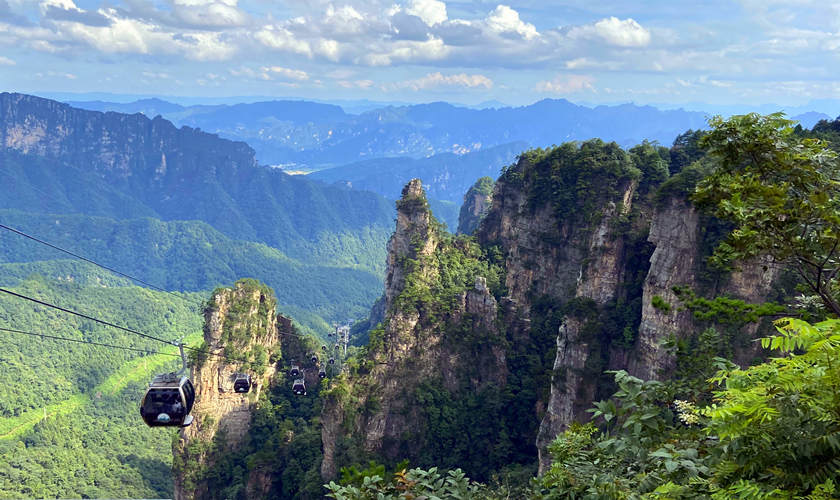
475	206
585	243
417	346
239	323
677	231
572	264
129	150
131	166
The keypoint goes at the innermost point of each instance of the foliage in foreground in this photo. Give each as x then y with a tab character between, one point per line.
770	431
415	483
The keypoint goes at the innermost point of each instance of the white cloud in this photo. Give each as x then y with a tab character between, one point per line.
156	74
430	11
5	61
209	13
567	84
614	31
280	38
505	20
291	74
437	79
406	51
355	84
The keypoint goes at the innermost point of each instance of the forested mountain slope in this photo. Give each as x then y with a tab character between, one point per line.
154	169
68	411
187	256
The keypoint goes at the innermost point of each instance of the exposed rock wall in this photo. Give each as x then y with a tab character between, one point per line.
475	206
563	258
414	348
676	231
587	266
243	316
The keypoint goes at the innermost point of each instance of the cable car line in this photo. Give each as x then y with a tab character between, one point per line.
68	252
115	271
106	323
81	341
85	316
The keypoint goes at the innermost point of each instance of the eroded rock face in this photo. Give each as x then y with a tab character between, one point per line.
415	347
244	316
476	204
677	261
676	233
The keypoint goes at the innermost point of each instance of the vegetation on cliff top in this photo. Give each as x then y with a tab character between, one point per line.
716	430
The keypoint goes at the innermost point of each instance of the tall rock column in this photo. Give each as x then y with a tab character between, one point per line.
240	323
600	281
376	412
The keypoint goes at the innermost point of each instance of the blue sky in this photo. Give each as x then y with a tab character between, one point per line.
517	52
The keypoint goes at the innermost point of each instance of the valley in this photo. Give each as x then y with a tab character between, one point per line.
579	274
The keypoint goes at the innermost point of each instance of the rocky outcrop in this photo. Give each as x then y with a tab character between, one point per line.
416	346
677	231
475	206
600	262
560	259
240	323
590	262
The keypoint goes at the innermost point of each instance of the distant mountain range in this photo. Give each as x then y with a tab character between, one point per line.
315	135
445	176
57	159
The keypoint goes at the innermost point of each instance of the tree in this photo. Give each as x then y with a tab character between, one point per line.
781	192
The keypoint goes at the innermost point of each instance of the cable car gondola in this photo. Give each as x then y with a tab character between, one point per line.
322	373
169	399
299	387
324	348
294	371
242	383
314	358
331	361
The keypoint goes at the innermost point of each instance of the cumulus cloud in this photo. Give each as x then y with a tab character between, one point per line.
614	31
5	61
429	50
506	21
566	84
409	27
437	79
430	11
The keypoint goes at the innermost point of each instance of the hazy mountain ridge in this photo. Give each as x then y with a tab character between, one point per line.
445	176
318	135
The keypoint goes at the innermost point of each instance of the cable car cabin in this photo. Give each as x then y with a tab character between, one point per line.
331	361
242	383
168	401
322	373
314	358
295	371
299	387
323	348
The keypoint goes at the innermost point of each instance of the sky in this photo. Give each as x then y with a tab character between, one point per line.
648	52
